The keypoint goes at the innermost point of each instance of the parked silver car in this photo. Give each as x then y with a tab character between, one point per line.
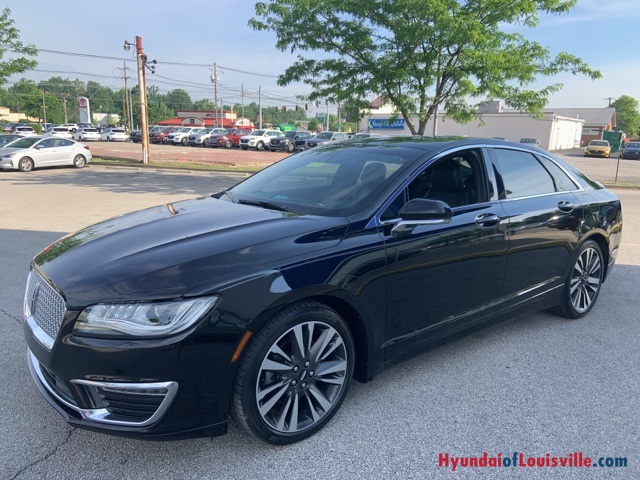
37	151
325	137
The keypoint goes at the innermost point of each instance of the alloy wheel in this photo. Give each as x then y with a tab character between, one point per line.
586	279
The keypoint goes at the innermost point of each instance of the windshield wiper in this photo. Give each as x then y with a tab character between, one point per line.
266	204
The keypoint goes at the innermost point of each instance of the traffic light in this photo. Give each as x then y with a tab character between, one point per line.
284	109
276	109
306	106
297	108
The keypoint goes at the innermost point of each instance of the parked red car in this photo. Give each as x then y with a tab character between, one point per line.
230	139
160	135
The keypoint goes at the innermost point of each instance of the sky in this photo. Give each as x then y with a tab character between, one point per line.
84	40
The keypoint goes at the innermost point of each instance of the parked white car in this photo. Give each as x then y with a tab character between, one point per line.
114	135
23	130
36	151
259	139
181	136
87	134
58	132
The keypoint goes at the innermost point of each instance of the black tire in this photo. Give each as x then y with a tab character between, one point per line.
228	144
108	139
313	376
25	164
244	148
260	146
290	147
583	283
185	141
79	161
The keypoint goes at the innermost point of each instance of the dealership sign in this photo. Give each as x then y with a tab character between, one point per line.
386	123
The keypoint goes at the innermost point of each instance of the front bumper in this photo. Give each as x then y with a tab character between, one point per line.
8	164
596	153
170	387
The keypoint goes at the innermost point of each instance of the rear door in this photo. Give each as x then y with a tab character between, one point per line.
544	218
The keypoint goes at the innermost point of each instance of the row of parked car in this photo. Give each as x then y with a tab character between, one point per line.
244	138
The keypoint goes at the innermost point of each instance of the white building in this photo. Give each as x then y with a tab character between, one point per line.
555	132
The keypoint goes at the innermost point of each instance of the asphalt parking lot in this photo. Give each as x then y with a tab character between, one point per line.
535	385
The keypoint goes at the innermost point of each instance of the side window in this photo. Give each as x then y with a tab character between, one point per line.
48	143
522	174
457	179
63	142
562	181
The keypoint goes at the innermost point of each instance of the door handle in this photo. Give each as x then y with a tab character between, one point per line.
487	219
565	206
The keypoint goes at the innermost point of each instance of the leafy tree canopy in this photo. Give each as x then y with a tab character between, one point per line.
419	54
627	114
10	42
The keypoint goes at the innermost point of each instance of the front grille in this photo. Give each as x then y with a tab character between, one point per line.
44	305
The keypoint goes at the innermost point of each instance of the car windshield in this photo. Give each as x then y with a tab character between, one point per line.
599	143
324	136
327	182
90	130
289	134
528	140
24	142
632	145
117	130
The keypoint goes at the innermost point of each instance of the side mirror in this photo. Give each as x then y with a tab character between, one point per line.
421	211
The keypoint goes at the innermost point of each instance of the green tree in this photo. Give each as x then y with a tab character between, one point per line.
420	55
313	124
26	97
10	42
627	114
179	99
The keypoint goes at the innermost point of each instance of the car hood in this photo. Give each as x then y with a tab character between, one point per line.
166	251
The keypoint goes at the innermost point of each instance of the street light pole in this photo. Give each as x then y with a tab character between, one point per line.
44	110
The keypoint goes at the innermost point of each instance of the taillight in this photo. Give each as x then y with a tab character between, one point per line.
87	147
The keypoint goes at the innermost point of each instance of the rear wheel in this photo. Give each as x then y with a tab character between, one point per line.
294	374
79	161
25	164
583	283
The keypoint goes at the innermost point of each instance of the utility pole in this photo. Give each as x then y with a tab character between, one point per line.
260	107
64	102
327	102
44	110
126	104
142	91
215	93
242	101
609	99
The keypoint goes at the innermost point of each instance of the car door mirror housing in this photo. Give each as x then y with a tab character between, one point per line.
422	209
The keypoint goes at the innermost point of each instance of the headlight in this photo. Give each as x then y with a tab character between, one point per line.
142	319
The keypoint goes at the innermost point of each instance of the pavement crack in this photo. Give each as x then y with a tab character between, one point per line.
48	455
17	319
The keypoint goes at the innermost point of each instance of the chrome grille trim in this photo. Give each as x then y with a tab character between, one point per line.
43	309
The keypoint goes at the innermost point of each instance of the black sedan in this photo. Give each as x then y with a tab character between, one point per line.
631	151
265	300
289	141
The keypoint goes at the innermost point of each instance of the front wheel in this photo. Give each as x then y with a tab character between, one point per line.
583	283
294	374
25	164
228	144
185	141
291	147
260	146
244	148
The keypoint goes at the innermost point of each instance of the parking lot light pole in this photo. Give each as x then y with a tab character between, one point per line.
142	91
